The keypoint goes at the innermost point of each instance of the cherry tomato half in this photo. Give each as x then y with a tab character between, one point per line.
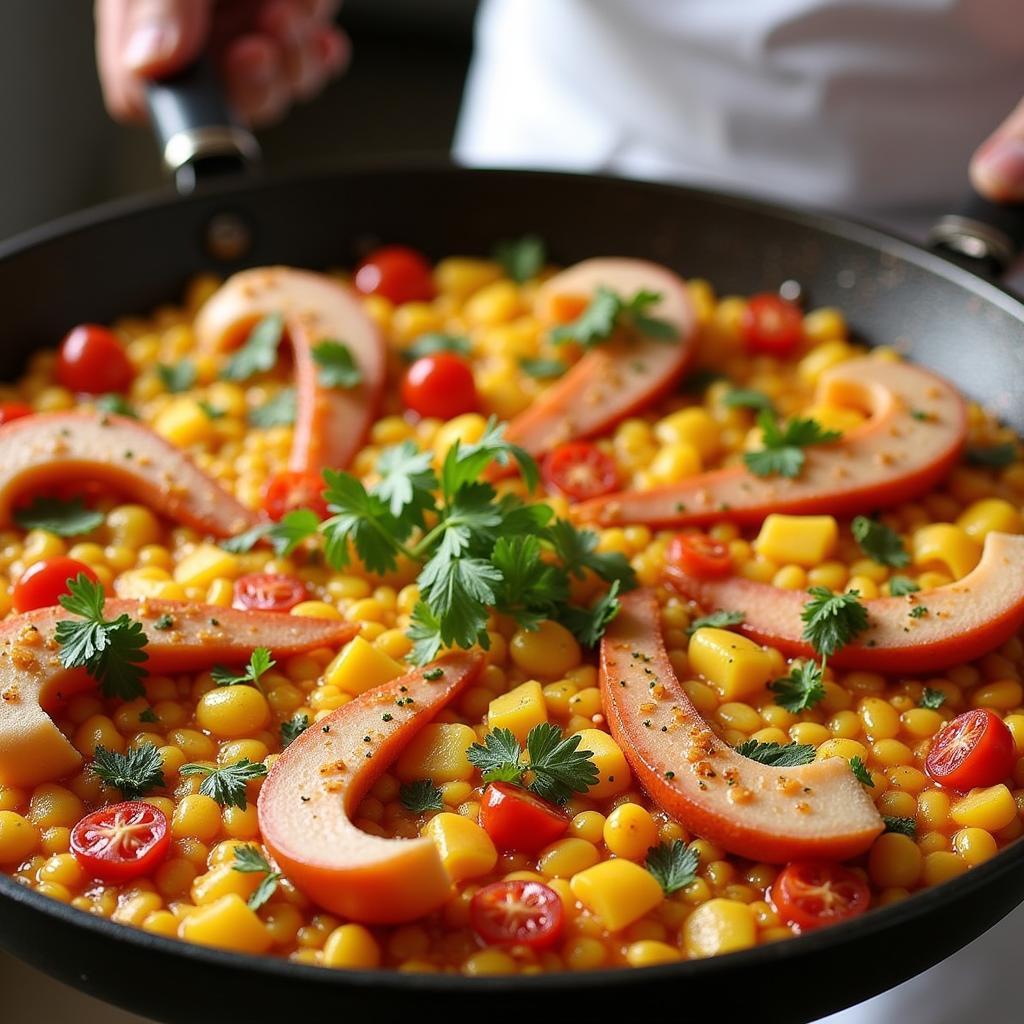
698	555
43	582
517	913
398	273
440	385
13	411
268	592
122	841
518	820
292	489
810	894
580	470
975	749
93	361
771	325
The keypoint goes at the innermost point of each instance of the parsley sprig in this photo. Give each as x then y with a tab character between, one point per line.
421	796
832	620
250	860
900	586
879	543
933	699
556	767
226	783
783	452
434	341
110	650
716	620
777	755
133	773
674	865
64	518
279	411
177	377
336	366
260	662
293	728
259	353
801	689
608	312
521	258
861	772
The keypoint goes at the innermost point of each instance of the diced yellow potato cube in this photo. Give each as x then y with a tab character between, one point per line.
204	565
719	926
222	881
617	891
226	923
991	808
519	709
948	545
800	540
613	774
183	422
732	663
359	666
466	849
438	753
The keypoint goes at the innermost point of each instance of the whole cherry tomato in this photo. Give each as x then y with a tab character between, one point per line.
771	325
398	273
91	360
810	894
518	820
517	913
699	555
440	385
269	592
974	749
121	842
580	470
42	583
292	489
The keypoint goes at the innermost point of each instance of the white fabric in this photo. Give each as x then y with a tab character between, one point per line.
869	106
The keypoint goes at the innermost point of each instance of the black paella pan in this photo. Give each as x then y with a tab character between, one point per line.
939	307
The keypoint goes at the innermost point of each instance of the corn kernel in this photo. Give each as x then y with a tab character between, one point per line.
991	808
719	926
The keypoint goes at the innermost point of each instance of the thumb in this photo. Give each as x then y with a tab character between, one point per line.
997	167
163	36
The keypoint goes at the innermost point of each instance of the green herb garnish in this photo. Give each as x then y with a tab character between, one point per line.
294	728
279	411
249	860
747	398
801	689
133	773
336	366
259	353
900	586
832	620
65	518
919	611
933	699
777	755
116	404
434	341
110	650
260	662
556	766
608	312
421	796
783	452
543	369
674	865
226	783
902	826
879	543
860	770
716	620
177	378
521	258
995	456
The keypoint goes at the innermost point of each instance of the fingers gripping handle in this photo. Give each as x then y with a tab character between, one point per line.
197	133
987	236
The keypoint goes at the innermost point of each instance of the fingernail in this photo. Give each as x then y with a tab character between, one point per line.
150	42
1001	169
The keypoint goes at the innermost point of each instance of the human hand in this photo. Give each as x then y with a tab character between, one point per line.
997	167
271	53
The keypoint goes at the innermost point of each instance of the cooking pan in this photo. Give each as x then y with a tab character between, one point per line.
937	307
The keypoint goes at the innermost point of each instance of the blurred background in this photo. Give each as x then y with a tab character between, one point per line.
401	95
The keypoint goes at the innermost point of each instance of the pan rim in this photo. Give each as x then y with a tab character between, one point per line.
872	924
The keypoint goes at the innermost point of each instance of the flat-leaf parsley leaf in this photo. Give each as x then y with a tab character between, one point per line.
133	773
801	689
226	783
879	543
783	453
777	755
421	796
674	865
336	366
65	518
832	620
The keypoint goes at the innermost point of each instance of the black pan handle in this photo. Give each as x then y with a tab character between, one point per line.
198	135
987	237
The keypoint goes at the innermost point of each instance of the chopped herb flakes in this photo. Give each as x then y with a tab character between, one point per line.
133	773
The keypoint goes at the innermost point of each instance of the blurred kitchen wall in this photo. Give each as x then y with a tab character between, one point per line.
61	152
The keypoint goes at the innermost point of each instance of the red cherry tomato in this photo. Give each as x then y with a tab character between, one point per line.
517	913
975	749
440	385
518	820
580	470
268	592
92	360
13	411
698	555
810	894
771	325
43	582
292	489
121	842
398	273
